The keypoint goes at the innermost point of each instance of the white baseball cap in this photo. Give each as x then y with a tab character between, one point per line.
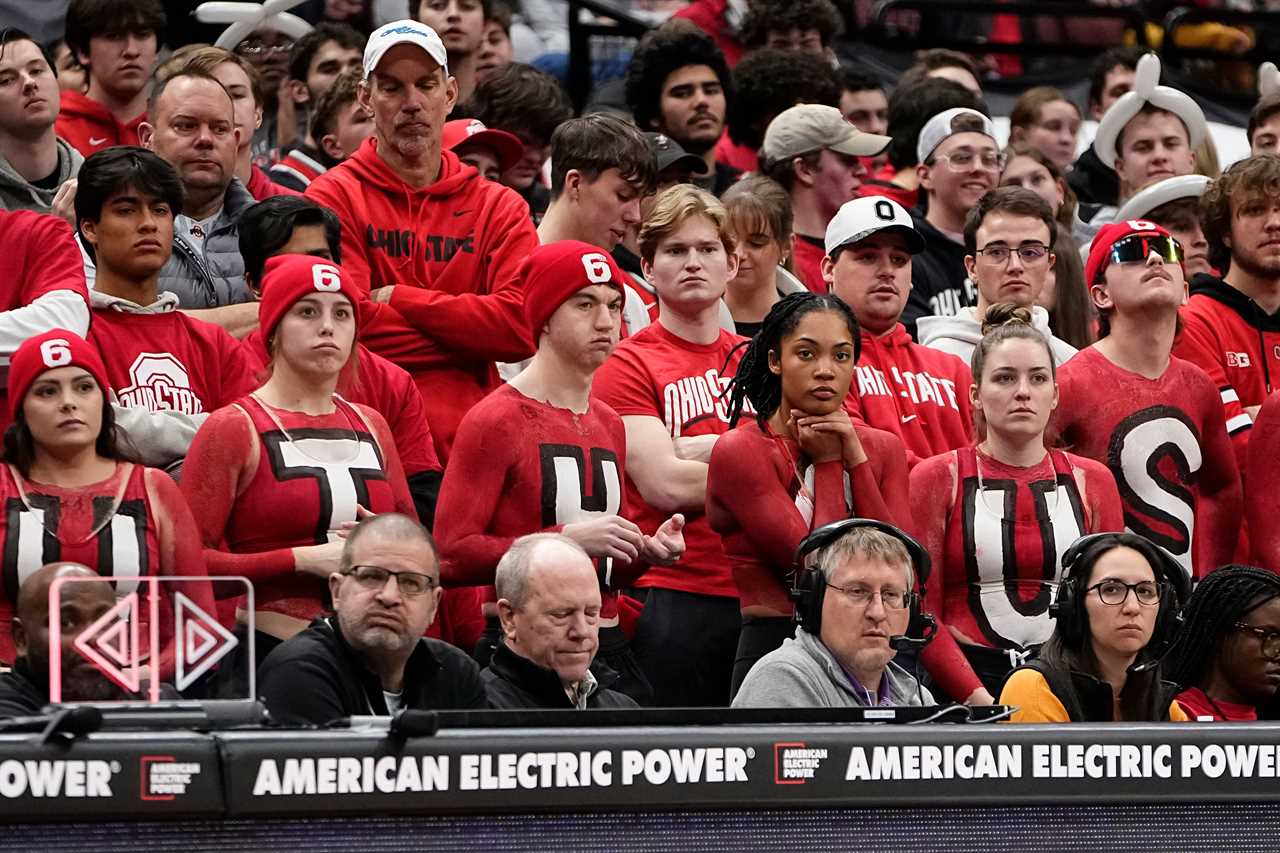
938	130
403	32
857	220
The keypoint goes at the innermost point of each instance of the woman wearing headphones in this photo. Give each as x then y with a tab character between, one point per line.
996	516
1116	613
798	464
1228	655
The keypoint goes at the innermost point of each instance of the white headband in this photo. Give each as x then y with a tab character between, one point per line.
1146	90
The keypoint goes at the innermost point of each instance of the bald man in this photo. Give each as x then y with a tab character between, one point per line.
25	689
549	606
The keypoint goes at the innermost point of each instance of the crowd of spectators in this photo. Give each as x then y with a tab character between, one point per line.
772	383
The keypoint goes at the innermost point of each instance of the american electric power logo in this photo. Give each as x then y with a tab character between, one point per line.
796	763
163	778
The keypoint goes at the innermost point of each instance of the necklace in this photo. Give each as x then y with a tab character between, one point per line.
355	434
982	489
97	528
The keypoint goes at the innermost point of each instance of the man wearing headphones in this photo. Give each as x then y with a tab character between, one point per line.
854	606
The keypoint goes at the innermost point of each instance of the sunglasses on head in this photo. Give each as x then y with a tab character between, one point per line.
1136	248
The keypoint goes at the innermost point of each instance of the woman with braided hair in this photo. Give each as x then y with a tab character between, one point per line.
997	516
1228	654
798	464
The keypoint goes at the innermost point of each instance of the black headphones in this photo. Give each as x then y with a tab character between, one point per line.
809	587
1068	606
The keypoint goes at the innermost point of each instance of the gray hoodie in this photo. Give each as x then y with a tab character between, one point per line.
802	673
959	334
16	193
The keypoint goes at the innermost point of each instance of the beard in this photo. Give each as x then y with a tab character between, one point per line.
1255	266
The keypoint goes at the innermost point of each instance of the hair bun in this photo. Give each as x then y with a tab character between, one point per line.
1005	314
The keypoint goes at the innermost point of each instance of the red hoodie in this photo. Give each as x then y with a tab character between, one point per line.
89	126
453	250
918	393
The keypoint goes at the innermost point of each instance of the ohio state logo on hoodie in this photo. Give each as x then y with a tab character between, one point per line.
160	383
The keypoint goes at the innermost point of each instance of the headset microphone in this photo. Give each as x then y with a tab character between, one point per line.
925	625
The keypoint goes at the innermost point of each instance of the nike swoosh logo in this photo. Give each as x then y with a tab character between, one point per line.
908	418
93	141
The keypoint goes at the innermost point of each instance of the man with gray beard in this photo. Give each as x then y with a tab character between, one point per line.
370	658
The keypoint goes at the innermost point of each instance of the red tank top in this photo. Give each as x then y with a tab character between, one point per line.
312	471
1004	547
107	526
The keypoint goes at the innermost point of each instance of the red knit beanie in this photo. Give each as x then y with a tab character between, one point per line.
53	349
556	271
288	278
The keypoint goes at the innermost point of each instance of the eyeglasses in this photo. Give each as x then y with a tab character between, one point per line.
1136	248
1270	639
1028	253
892	599
255	47
411	584
1114	593
962	161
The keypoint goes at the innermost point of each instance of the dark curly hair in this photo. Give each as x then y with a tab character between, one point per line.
674	45
766	16
911	107
522	100
769	81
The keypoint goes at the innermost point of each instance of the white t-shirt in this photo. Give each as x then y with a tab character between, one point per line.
393	701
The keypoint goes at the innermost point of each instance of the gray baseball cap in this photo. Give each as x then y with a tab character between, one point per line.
812	127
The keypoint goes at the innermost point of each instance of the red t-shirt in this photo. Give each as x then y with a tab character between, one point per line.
755	501
657	374
741	157
998	554
903	196
522	466
1262	484
1197	704
807	255
1165	444
150	532
167	361
388	390
306	481
918	393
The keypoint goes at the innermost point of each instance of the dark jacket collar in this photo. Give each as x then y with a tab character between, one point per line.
421	666
543	684
1215	288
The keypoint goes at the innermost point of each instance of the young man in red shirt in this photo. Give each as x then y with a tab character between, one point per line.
1153	419
1231	324
815	155
157	358
917	393
542	454
115	41
435	245
667	383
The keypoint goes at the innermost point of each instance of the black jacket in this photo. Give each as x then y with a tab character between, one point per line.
316	678
939	283
516	682
21	694
1092	700
24	694
1093	182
